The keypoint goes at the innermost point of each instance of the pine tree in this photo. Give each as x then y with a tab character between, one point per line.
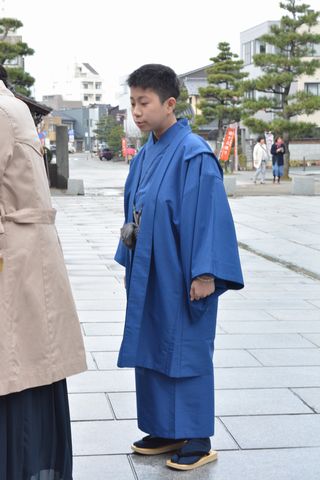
221	99
111	132
293	42
183	108
20	79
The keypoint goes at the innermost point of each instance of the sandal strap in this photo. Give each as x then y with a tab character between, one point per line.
193	453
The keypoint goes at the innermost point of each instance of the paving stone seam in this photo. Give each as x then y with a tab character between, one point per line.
220	417
313	304
252	355
216	388
228	431
229	334
253	449
253	388
253	415
94	360
290	266
262	365
111	406
256	449
129	457
313	343
108	454
303	401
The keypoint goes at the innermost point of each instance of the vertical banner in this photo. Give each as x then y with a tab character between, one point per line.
269	142
124	147
227	144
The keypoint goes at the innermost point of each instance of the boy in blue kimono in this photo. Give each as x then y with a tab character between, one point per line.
179	248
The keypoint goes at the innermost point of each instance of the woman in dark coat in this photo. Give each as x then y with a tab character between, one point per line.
278	150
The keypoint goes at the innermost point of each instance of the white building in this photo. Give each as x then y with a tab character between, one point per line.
251	45
83	83
311	84
123	98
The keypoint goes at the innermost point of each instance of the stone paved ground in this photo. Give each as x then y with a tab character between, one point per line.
267	348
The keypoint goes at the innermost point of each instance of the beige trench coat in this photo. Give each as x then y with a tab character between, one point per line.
40	337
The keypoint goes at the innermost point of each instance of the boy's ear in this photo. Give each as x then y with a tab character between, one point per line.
171	102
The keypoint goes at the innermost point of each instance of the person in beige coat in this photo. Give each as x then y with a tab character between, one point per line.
260	158
40	338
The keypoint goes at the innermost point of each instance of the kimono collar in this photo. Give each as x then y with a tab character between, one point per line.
169	134
4	90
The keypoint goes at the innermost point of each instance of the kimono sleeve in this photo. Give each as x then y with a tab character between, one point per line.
214	243
6	141
121	254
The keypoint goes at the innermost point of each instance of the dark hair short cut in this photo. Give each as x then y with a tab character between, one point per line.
159	78
260	138
277	138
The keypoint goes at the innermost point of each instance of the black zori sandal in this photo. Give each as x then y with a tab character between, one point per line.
195	453
155	445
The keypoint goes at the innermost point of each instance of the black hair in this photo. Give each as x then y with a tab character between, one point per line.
159	78
260	138
277	138
4	75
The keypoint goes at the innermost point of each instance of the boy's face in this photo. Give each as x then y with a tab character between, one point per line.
148	112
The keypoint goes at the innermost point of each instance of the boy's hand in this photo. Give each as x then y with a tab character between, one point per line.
200	289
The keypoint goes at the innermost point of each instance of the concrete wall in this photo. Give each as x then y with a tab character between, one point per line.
309	150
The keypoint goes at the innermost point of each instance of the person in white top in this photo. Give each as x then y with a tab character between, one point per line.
260	157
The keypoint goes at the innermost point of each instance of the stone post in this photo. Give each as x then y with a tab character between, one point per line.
62	156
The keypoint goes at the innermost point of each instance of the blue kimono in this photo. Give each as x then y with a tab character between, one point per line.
186	230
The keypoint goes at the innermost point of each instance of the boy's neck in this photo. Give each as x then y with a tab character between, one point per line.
171	121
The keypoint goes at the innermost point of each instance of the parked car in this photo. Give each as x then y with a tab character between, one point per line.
105	154
53	148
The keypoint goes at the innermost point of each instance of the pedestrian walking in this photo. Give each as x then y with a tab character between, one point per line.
260	158
278	150
179	247
40	338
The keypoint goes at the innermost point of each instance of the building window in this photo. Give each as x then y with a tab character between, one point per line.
85	98
14	61
85	86
98	85
278	99
247	54
313	88
250	95
260	47
98	98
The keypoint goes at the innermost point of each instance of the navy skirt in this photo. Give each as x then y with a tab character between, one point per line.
175	407
35	434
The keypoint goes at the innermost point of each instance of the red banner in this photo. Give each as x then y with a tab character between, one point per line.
227	144
124	147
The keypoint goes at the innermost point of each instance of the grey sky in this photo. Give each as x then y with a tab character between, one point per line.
118	36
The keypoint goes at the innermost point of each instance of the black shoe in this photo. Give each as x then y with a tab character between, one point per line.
155	445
